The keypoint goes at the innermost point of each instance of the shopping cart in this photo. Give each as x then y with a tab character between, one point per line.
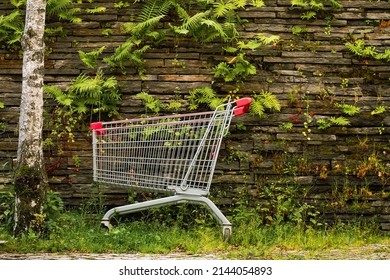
173	154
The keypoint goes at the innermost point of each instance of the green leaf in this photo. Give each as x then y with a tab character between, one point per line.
324	124
309	15
252	44
340	121
257	3
350	110
379	110
96	10
267	40
299	3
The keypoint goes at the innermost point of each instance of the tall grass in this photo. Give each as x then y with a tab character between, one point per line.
250	239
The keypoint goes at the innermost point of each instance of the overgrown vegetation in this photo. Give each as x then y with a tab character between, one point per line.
259	228
78	233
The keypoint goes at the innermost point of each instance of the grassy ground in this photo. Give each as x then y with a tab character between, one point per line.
75	233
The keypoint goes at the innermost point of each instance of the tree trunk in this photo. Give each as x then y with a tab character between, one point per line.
30	175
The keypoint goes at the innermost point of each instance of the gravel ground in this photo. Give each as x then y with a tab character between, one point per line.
368	252
82	256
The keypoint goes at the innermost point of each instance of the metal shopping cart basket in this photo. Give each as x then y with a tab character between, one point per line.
173	154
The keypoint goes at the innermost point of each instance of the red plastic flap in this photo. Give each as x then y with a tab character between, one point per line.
246	101
241	110
97	127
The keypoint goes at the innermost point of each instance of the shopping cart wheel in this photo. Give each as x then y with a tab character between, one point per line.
227	232
106	225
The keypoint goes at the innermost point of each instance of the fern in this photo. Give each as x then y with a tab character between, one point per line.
140	29
257	3
360	49
316	5
340	121
379	110
96	10
89	94
58	95
90	58
335	4
384	56
150	102
324	124
192	23
155	8
127	53
309	15
203	96
63	9
299	3
257	108
252	44
262	101
11	28
18	3
349	110
267	40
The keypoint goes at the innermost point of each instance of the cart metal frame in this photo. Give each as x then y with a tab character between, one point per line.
173	154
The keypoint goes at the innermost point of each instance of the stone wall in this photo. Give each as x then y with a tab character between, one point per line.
344	169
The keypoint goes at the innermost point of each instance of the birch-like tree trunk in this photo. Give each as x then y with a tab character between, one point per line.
30	174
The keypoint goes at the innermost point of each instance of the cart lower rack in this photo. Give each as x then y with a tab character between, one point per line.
173	154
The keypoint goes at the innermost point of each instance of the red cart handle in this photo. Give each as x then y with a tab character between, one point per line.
242	106
97	127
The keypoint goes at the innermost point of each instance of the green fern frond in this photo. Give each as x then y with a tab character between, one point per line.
121	54
324	124
96	10
57	94
89	59
316	5
221	8
85	85
262	101
309	15
181	12
335	4
18	3
268	39
270	101
379	110
359	48
252	44
150	102
340	121
384	56
70	16
154	9
217	27
257	108
11	28
54	7
201	96
348	109
194	22
110	83
299	3
257	3
230	49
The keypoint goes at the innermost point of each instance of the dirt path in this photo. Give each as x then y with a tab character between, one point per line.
82	256
367	252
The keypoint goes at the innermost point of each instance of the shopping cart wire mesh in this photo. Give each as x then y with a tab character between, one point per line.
174	154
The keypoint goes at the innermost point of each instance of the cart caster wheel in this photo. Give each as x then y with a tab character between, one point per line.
227	232
106	225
